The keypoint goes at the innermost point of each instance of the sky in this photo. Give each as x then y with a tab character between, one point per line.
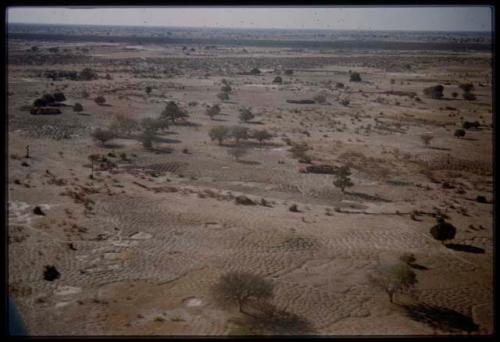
472	18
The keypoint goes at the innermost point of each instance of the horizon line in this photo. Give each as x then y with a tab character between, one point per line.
255	28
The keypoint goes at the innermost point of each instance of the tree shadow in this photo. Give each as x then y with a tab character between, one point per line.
441	318
160	139
418	267
248	162
465	248
439	148
219	120
257	144
367	197
105	105
161	150
83	114
274	321
186	123
112	145
469	139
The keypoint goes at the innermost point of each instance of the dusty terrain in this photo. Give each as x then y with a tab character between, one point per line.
139	245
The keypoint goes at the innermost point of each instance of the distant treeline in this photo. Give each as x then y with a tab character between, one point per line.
344	44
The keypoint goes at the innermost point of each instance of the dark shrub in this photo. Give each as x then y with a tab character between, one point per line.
355	77
443	230
435	92
460	133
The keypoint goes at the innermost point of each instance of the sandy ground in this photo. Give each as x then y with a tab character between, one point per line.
147	248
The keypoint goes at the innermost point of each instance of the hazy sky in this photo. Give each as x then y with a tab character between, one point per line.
477	18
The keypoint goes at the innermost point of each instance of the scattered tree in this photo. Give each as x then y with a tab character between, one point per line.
426	138
289	72
102	135
239	132
173	112
394	279
226	88
213	111
262	135
342	179
255	71
148	90
246	115
124	125
239	288
219	133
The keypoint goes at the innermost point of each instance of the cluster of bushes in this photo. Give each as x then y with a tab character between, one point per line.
86	74
221	133
435	92
49	100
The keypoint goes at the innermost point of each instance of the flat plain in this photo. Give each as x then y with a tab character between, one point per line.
140	244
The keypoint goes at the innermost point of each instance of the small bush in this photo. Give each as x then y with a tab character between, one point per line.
460	133
77	107
100	100
355	77
255	71
435	92
278	79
